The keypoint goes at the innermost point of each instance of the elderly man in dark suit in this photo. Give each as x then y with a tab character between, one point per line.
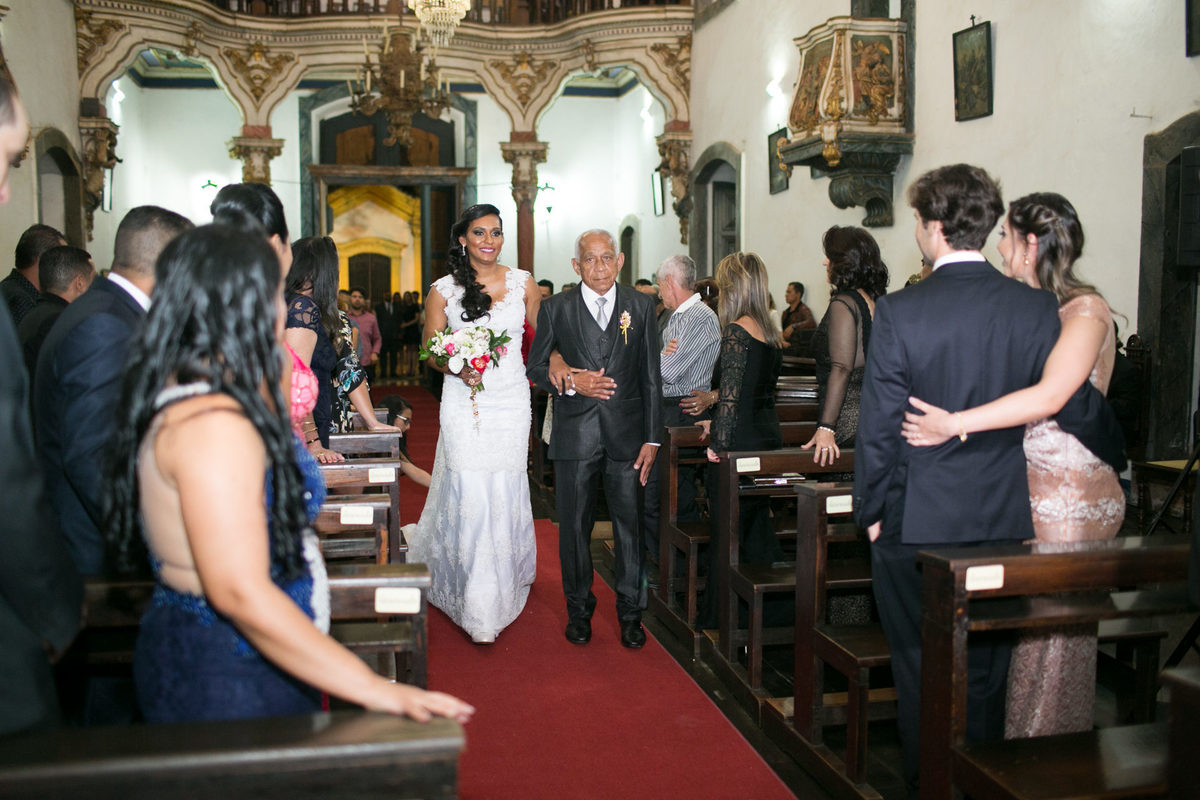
78	377
598	346
962	337
40	591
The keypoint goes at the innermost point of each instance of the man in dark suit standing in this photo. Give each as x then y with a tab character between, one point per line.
40	591
960	338
77	382
597	348
387	314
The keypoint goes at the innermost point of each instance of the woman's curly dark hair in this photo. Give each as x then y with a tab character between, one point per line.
213	321
854	261
475	302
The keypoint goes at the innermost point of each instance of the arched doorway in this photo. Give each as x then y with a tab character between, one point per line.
715	222
60	186
1167	290
629	250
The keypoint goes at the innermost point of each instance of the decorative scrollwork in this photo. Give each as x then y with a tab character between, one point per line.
589	55
98	135
675	163
255	154
523	74
257	67
677	60
90	35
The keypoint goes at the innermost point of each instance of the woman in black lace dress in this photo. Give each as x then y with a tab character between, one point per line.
858	276
745	418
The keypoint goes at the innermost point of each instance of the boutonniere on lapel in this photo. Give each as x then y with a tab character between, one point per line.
626	324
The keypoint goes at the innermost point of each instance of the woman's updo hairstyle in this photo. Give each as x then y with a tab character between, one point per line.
1052	219
475	302
243	205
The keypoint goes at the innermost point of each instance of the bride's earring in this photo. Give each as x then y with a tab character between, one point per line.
464	250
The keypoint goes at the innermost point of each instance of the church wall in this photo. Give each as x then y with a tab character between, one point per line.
172	142
1067	76
30	31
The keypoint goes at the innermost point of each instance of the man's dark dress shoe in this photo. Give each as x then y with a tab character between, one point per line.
579	631
632	635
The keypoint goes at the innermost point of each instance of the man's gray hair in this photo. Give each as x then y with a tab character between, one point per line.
593	232
682	269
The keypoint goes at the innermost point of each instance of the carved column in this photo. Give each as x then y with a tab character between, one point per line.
98	135
255	148
524	152
673	147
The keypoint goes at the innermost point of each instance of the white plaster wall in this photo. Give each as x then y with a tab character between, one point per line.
601	155
171	143
1067	75
39	44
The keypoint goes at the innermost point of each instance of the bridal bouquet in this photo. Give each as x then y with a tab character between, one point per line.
475	347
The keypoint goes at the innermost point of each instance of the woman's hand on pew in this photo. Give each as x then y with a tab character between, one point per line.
826	451
712	455
421	705
322	455
705	426
931	427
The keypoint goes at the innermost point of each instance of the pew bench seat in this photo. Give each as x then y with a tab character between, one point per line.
1129	761
338	754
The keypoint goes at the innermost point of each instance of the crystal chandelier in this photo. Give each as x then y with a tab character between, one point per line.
439	18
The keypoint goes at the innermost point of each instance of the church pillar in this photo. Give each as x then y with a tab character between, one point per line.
673	147
255	148
98	135
524	152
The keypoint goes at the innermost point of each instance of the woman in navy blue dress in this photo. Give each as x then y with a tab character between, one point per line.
207	470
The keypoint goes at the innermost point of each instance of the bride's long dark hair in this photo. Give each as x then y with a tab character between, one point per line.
213	321
475	302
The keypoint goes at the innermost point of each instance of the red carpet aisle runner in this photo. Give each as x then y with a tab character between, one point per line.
559	721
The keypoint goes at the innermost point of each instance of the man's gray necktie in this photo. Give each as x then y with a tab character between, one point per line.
601	314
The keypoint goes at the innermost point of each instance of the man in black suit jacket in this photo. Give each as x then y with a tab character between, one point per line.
960	338
77	382
388	315
604	343
64	273
40	591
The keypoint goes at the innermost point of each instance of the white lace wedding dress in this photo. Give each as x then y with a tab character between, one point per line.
476	531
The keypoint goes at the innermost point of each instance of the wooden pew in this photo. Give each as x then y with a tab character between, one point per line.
852	650
685	538
1183	737
339	754
366	443
361	596
355	527
753	582
356	474
357	424
1030	587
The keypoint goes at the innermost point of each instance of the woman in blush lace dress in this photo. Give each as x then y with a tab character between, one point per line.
476	531
1075	496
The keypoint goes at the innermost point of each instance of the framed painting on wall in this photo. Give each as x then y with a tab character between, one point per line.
973	72
1192	21
777	178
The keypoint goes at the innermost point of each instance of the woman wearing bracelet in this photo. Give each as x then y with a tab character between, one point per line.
1075	497
858	276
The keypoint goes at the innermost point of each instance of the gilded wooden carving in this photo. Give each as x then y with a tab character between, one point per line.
678	61
257	67
523	74
91	35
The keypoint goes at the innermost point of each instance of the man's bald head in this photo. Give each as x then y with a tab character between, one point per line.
142	235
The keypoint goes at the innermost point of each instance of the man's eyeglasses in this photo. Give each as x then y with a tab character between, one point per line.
407	421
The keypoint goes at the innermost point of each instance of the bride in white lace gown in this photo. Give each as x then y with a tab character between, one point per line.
476	531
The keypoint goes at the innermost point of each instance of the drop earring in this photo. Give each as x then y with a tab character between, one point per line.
464	250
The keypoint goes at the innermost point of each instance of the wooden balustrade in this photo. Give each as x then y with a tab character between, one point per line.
484	12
